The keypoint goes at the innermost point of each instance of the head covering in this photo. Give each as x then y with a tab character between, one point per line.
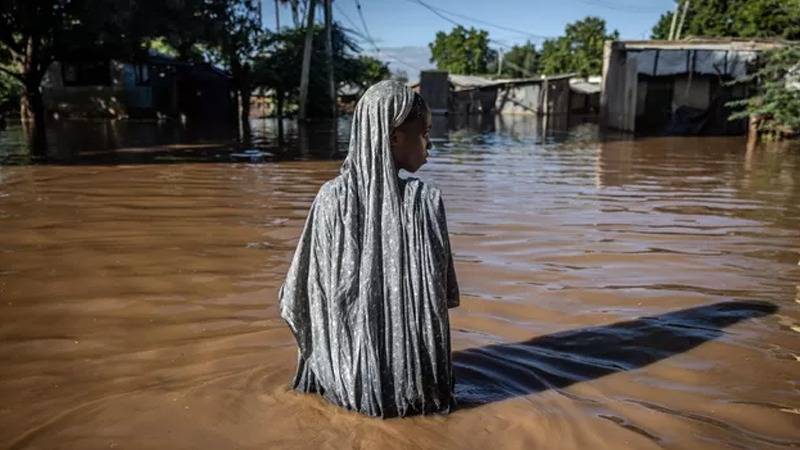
367	292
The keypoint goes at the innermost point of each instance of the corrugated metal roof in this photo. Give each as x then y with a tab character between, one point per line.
705	44
461	82
584	87
466	82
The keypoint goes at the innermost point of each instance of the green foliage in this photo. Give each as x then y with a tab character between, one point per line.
366	71
232	32
462	51
33	33
521	61
736	18
162	46
579	50
661	28
776	102
279	65
10	92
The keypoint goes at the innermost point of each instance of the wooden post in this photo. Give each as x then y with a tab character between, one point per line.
305	73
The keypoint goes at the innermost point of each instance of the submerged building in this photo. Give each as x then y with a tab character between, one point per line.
545	95
154	87
677	87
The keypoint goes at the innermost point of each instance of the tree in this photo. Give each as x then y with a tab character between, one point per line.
462	51
235	39
279	66
579	50
521	61
737	18
182	29
10	92
363	71
776	103
34	33
329	56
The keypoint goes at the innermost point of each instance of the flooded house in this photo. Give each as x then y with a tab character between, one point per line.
155	87
585	95
677	87
544	95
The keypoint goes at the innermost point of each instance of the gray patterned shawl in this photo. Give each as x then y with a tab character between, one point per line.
368	289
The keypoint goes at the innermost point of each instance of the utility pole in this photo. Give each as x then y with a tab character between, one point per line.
329	55
277	17
674	21
499	61
683	18
304	74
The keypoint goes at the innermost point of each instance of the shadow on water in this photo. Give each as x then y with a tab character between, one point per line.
502	371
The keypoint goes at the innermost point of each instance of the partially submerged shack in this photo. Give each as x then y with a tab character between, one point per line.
677	87
469	94
155	86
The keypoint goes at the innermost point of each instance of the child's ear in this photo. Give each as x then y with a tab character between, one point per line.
393	139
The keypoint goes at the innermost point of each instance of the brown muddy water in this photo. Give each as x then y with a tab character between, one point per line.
615	294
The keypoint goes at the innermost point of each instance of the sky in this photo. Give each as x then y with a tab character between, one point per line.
402	29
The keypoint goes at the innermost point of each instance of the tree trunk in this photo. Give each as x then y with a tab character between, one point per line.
245	91
329	57
241	82
31	105
279	99
307	60
32	112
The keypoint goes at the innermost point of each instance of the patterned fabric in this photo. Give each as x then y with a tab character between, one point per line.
372	278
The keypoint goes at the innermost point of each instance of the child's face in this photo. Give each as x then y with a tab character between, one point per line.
410	143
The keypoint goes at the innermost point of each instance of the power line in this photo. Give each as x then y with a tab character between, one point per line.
439	12
350	21
374	44
433	10
624	8
508	63
364	25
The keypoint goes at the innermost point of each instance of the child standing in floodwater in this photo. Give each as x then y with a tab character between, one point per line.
371	281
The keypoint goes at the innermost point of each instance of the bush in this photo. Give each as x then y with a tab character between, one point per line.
776	101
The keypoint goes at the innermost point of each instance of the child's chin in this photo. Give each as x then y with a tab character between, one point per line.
414	169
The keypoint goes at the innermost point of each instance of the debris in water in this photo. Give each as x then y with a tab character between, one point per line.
252	155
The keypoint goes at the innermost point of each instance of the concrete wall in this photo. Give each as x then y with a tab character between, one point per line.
557	96
519	99
545	97
473	101
618	100
435	89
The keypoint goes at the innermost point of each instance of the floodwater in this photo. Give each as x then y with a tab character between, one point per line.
615	294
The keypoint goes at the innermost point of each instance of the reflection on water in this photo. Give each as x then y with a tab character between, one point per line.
130	142
615	293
